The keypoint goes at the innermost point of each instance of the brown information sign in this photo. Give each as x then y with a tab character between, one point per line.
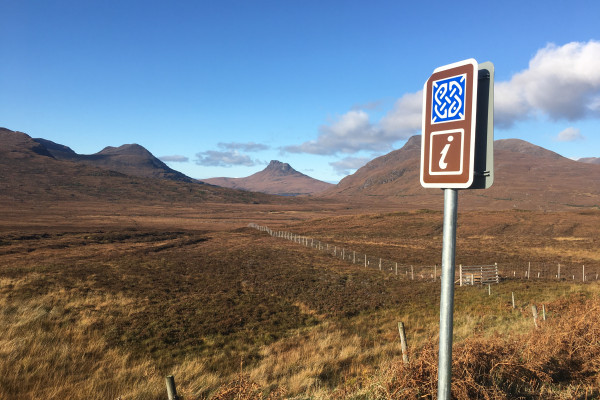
448	141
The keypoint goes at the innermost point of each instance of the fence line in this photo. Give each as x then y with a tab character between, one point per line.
354	257
557	271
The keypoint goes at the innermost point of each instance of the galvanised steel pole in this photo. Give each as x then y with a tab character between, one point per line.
447	294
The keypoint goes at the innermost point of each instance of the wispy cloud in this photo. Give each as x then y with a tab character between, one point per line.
372	105
569	135
214	158
248	147
348	165
175	158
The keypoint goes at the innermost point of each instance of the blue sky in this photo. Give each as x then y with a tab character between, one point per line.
220	88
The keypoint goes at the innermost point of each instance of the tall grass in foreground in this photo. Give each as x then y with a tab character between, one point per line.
53	345
561	360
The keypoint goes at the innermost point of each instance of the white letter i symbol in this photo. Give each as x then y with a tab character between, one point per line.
442	164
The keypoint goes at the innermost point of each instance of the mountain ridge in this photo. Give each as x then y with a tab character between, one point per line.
130	159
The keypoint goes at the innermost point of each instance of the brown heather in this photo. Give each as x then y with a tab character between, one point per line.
110	282
104	302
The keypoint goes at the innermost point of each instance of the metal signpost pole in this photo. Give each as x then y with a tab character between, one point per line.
447	293
456	153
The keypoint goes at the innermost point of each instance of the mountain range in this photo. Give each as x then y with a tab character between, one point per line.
526	176
30	173
590	160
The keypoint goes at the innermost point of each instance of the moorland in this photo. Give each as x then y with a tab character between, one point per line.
109	282
104	300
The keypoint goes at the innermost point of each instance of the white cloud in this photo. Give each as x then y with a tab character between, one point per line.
213	158
354	132
405	119
562	82
346	165
350	133
175	158
569	135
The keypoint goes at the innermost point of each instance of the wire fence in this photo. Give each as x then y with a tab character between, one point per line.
527	270
430	272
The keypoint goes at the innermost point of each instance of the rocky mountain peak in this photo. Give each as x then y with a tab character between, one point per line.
279	167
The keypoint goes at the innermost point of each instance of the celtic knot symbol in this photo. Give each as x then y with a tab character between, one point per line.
449	99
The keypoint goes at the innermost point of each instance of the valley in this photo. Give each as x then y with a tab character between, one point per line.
109	282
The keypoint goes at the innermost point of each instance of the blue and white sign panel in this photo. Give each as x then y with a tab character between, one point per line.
449	99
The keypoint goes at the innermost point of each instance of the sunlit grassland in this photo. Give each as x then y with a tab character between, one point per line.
239	314
54	345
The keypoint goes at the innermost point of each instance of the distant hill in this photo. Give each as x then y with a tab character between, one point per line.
526	176
277	178
590	160
30	172
389	175
130	159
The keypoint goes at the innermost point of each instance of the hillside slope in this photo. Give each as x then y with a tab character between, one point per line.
526	176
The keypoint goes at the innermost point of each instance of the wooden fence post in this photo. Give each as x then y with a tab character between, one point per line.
412	273
460	275
513	299
529	270
353	257
559	271
583	273
435	272
403	342
396	268
380	264
171	392
365	261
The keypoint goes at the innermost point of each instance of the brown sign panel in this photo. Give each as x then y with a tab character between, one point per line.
448	140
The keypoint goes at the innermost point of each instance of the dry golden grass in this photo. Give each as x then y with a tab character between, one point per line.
578	255
51	348
560	360
106	307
